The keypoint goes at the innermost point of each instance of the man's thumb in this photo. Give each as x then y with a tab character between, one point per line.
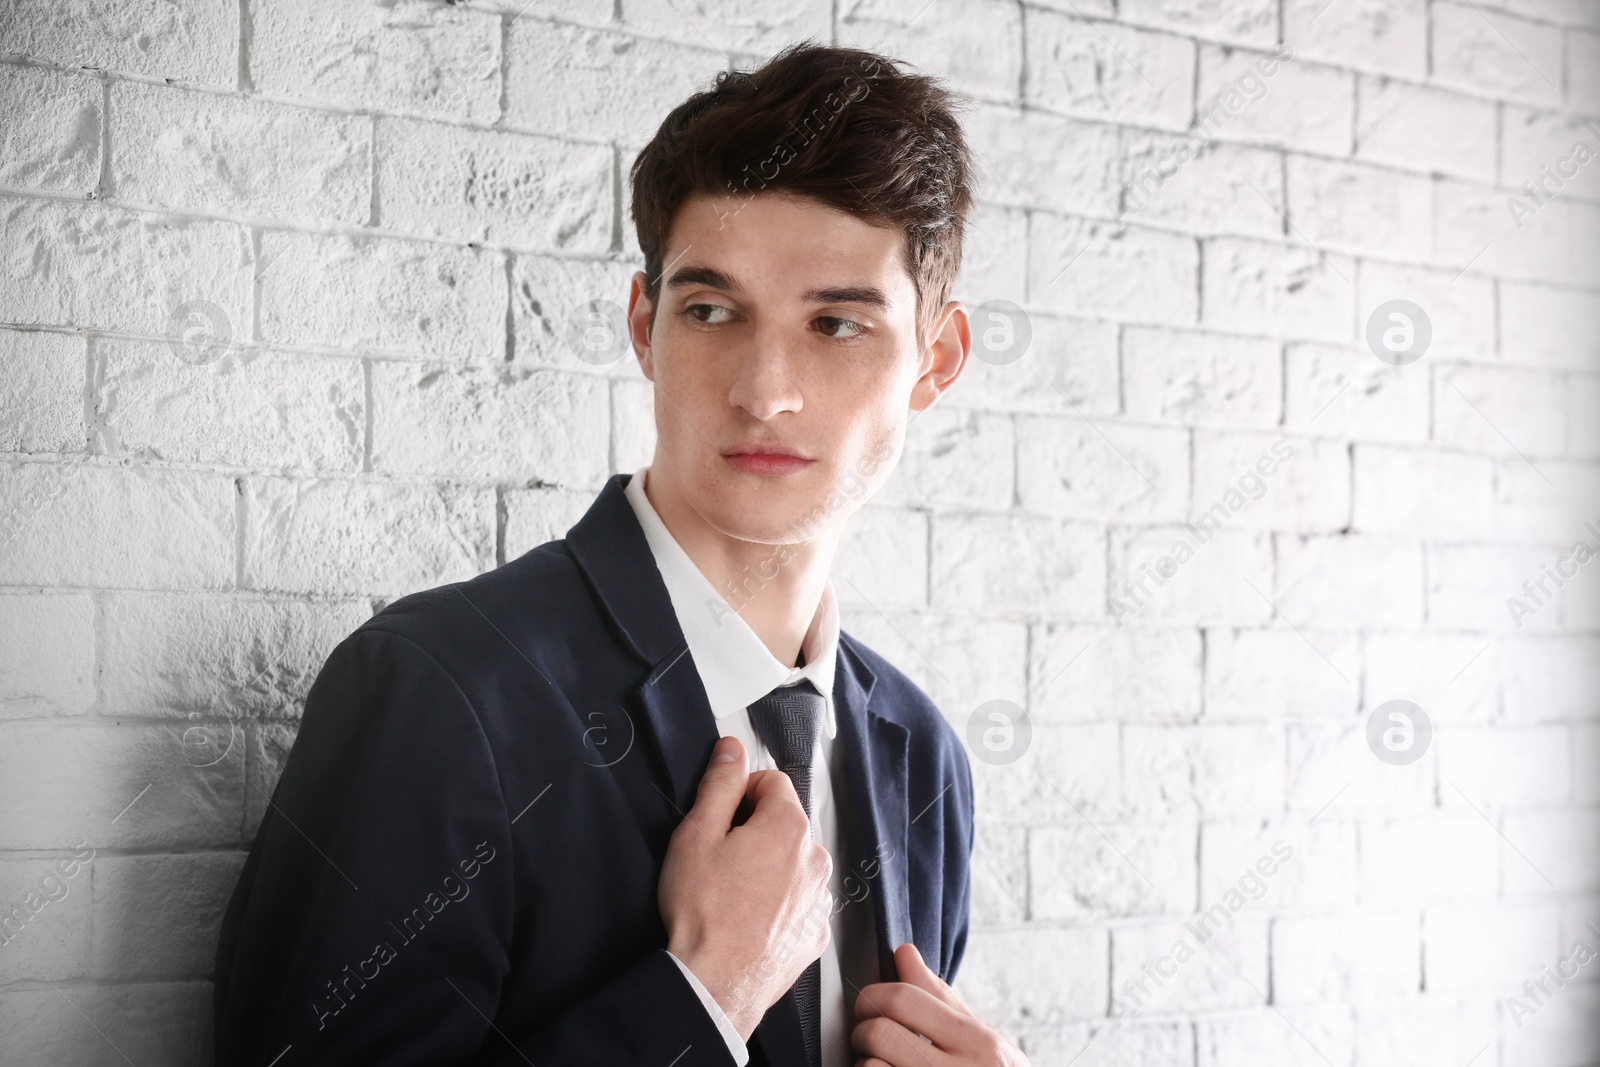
914	970
722	786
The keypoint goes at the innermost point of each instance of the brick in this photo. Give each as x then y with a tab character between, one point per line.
1266	481
1228	970
167	1022
975	47
1039	973
1081	267
1468	586
1247	22
1500	767
1206	771
1416	862
1444	496
990	267
1477	230
883	558
482	185
1347	392
999	875
41	392
187	41
1068	773
1351	207
1583	80
130	527
337	536
409	56
1320	869
1135	673
181	149
959	661
46	902
1111	1045
1333	774
1486	945
954	458
1279	290
583	60
1543	326
269	745
1070	367
1499	412
1202	186
1345	958
1420	128
1566	1028
1031	159
489	424
1496	53
1456	677
1551	151
216	659
1460	310
47	654
1349	581
762	26
1276	674
97	776
1069	466
288	412
1568	12
159	916
540	514
1546	679
382	294
548	296
1111	72
1314	1037
633	425
49	129
1082	873
96	267
1390	36
1018	562
1298	105
1208	575
1583	436
1201	378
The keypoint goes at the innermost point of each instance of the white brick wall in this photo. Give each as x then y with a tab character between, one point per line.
394	208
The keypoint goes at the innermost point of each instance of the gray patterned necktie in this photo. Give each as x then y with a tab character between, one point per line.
787	720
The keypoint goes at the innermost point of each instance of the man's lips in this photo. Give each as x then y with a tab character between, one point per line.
768	462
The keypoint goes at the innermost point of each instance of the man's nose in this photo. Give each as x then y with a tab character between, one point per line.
767	383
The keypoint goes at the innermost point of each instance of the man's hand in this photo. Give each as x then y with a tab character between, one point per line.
920	1022
746	907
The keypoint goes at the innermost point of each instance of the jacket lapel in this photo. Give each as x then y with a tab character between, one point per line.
877	758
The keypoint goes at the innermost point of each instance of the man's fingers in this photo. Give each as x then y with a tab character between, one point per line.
721	787
884	1038
911	968
918	1011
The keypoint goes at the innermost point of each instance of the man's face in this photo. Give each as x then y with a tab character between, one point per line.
785	359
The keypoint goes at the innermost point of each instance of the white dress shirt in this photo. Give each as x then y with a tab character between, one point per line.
737	670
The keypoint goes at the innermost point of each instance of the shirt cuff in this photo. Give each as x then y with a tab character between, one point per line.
736	1045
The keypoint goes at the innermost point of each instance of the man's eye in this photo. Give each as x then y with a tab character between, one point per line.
828	324
707	313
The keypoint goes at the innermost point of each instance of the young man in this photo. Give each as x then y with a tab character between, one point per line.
633	798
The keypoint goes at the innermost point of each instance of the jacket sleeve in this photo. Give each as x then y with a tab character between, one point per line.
958	890
373	918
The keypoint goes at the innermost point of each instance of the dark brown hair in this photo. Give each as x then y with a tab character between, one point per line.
842	126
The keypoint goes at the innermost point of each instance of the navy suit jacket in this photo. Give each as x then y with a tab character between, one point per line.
459	862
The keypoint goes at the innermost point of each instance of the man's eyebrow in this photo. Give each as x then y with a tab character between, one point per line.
870	295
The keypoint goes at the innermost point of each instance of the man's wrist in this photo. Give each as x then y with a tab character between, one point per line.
727	995
735	1038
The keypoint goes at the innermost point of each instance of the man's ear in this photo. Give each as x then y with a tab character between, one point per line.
640	308
945	357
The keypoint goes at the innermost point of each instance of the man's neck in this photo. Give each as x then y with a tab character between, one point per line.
775	589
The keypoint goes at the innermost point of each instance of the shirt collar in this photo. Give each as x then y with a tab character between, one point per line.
735	667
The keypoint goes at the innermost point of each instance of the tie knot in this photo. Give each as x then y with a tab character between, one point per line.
787	721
